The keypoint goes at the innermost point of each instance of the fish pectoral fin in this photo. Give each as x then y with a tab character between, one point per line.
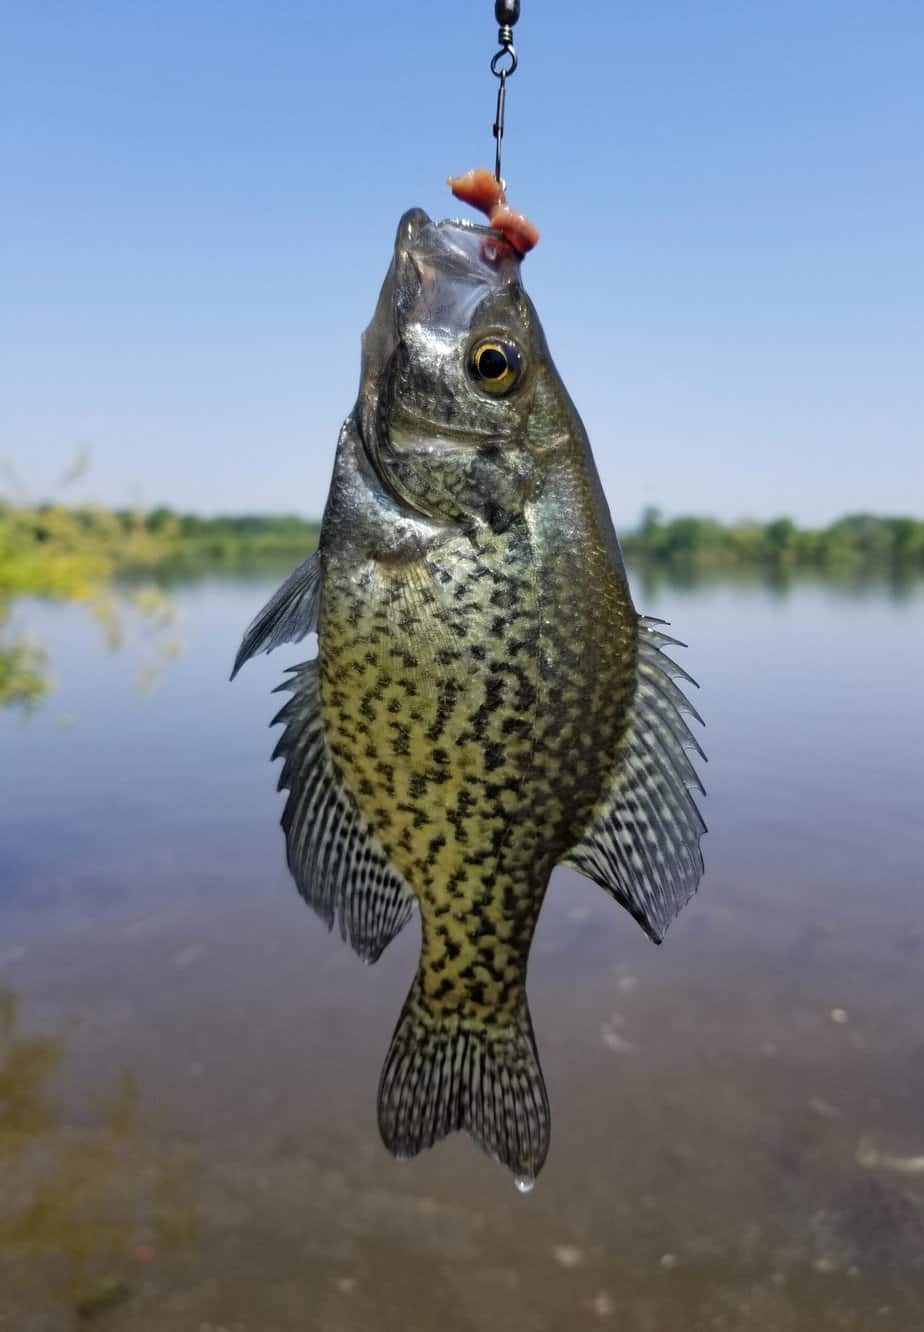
290	613
338	864
445	1073
642	843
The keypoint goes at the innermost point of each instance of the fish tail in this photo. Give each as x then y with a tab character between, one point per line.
445	1071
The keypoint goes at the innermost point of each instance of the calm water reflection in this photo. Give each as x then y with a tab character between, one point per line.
188	1062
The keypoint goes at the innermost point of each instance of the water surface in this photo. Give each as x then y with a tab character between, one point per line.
188	1061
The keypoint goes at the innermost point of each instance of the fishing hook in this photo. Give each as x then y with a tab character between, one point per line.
503	64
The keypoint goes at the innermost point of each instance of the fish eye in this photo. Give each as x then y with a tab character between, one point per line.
495	366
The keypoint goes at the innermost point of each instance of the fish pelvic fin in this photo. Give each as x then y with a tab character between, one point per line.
339	866
290	614
446	1072
643	840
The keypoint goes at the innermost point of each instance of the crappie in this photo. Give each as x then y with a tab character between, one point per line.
485	703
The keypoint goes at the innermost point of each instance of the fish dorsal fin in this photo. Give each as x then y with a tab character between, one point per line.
290	613
338	865
642	843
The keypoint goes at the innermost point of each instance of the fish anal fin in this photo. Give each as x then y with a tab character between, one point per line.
290	614
643	840
338	865
444	1072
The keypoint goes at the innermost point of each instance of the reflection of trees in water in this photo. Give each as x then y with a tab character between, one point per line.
81	1209
850	585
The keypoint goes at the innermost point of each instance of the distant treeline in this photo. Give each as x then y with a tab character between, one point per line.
46	536
231	539
124	539
859	543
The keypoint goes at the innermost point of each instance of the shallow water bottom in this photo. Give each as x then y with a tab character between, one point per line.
730	1151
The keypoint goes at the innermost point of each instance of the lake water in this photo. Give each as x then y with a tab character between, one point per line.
189	1062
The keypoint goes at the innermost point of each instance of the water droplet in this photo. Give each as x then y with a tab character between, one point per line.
525	1183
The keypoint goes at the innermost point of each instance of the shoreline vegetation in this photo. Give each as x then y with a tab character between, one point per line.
860	544
119	562
57	550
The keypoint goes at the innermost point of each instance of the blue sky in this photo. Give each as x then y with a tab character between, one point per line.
199	200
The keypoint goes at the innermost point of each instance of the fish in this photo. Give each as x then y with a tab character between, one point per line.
485	703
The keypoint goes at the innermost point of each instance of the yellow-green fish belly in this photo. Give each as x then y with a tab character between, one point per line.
470	717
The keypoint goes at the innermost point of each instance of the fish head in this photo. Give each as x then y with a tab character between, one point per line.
451	363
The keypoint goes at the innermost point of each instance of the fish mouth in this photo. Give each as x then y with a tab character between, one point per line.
414	220
468	252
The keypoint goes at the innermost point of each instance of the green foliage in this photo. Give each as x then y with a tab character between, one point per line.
52	550
860	544
49	550
234	540
23	680
93	555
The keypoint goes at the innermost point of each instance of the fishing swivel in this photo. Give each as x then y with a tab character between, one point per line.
503	64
